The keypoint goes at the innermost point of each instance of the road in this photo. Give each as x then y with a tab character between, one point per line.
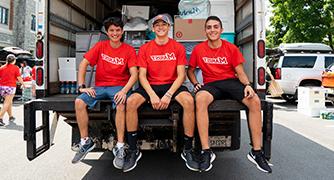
303	148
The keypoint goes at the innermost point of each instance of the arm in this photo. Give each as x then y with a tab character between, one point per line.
120	97
192	78
181	77
155	100
248	92
19	78
81	78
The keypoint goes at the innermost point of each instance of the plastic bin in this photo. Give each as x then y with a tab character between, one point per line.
228	36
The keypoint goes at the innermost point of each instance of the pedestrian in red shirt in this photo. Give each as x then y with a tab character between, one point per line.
9	74
161	74
116	73
222	68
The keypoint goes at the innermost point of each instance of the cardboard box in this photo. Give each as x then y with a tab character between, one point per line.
66	63
189	29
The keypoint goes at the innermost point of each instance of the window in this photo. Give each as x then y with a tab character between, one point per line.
329	61
33	23
3	15
299	61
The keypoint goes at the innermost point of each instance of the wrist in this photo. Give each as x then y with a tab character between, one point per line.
81	86
248	84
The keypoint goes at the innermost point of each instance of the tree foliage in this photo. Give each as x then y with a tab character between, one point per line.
302	21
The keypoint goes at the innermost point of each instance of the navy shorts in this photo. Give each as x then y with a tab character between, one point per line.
102	92
160	90
225	89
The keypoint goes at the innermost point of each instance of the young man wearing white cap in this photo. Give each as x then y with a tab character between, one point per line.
161	74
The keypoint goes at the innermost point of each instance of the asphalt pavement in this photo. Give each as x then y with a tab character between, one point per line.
302	148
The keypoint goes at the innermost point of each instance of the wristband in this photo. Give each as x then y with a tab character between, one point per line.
168	94
248	84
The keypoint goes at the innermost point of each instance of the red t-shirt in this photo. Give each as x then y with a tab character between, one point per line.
216	64
9	74
161	61
112	64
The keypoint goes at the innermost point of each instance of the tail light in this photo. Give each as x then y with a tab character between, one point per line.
261	49
261	76
39	49
39	76
278	73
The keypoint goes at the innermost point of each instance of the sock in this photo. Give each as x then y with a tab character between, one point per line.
255	151
132	140
83	140
119	144
188	142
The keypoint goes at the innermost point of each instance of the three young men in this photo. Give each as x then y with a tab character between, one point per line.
161	74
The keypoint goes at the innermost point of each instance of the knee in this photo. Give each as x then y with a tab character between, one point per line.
255	104
188	102
131	104
120	108
79	104
202	100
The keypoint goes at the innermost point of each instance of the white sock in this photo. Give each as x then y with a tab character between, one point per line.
119	144
83	140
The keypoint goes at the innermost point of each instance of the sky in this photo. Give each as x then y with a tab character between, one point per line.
268	13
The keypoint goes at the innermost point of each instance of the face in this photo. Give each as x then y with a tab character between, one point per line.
213	30
161	28
115	33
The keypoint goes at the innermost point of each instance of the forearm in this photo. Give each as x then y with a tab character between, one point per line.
19	78
176	84
82	72
132	80
146	85
243	79
191	75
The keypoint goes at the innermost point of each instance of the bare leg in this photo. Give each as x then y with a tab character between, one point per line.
6	105
120	122
187	103
132	105
82	117
203	100
255	122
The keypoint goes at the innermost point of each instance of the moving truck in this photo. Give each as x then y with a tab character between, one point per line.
58	21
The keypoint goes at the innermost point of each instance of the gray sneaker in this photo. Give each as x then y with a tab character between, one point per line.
119	154
190	159
131	160
83	150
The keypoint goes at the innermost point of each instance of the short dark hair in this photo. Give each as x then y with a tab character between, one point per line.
116	21
10	58
215	18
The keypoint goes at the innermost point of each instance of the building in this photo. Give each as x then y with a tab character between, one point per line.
18	24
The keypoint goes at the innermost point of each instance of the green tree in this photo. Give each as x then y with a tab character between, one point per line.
302	21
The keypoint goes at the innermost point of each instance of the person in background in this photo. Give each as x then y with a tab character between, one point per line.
33	81
25	71
9	74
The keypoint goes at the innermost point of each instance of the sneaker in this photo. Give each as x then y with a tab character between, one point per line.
119	154
83	150
131	160
207	157
260	161
189	157
2	123
12	118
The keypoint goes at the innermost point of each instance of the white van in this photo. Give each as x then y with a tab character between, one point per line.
301	64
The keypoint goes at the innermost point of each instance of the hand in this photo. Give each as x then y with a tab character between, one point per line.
197	87
155	101
23	86
249	92
120	97
165	100
90	91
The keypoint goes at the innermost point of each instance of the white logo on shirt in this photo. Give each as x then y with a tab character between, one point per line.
218	60
115	60
165	57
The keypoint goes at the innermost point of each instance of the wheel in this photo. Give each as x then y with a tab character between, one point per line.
289	97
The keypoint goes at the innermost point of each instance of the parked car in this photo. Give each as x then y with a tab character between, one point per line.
300	64
21	55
